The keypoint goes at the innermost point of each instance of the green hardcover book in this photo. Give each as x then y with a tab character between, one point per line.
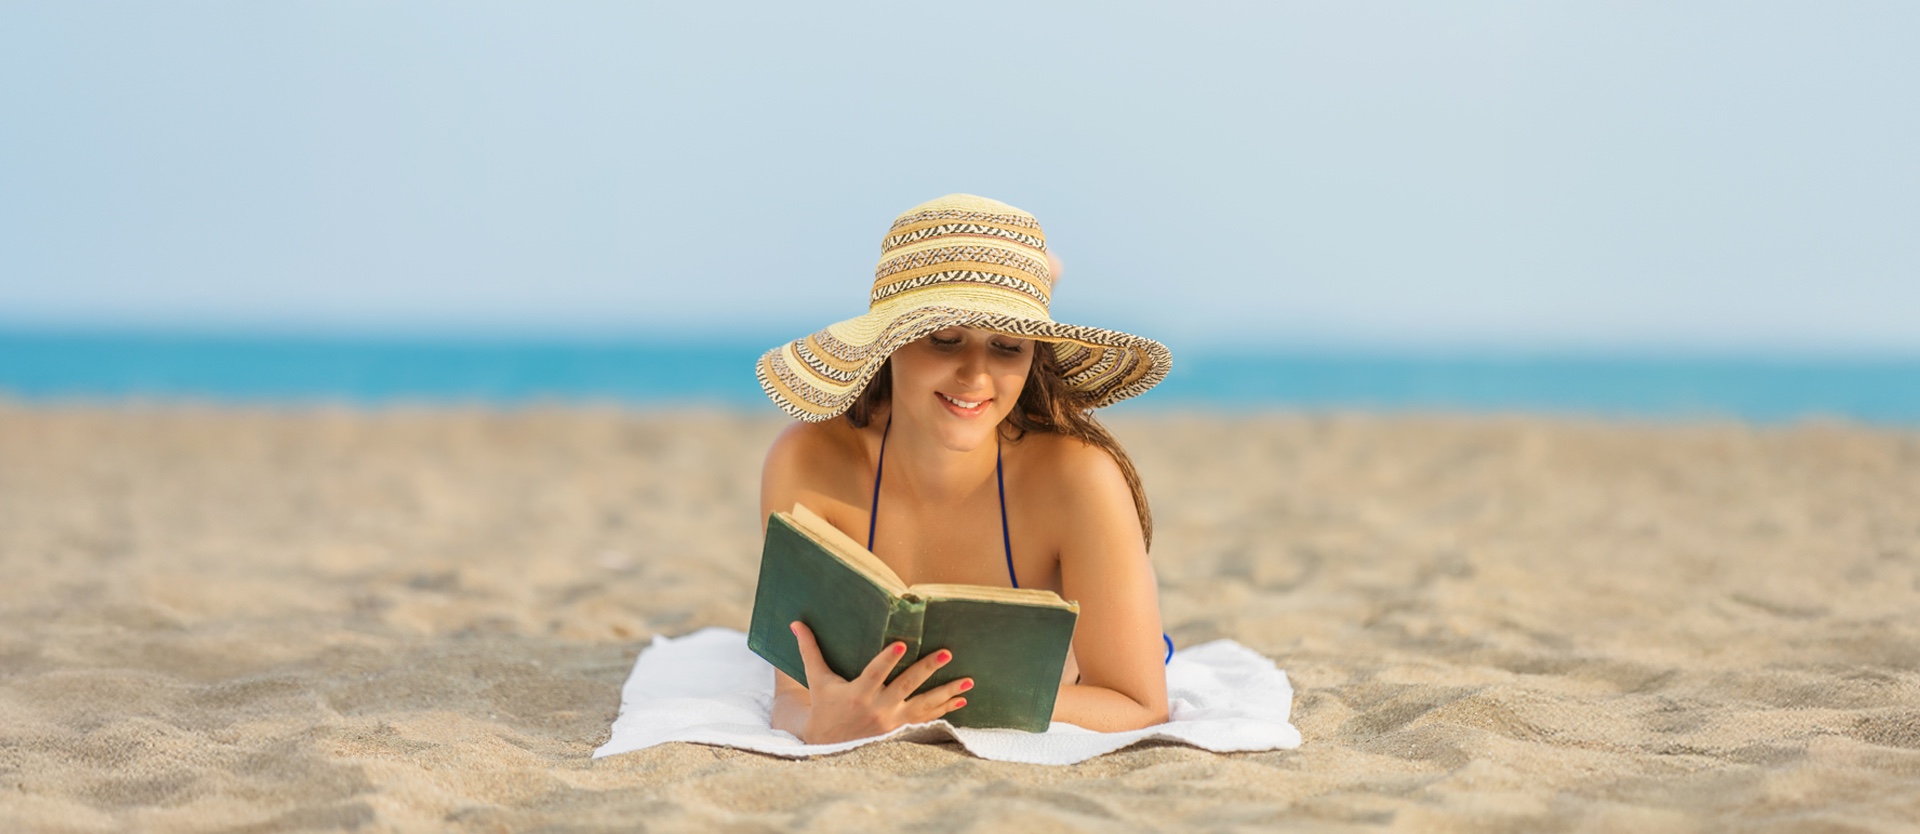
1012	641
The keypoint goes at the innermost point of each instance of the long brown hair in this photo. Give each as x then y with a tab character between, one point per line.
1046	404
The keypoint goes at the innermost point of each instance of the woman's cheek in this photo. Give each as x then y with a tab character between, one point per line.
1017	371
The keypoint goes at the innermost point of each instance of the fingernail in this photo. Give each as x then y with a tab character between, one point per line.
961	703
943	656
899	648
795	628
966	684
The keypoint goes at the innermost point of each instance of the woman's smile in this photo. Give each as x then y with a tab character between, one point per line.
964	408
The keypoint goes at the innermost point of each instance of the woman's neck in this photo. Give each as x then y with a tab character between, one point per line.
934	474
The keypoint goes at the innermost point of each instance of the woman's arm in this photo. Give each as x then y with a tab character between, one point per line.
791	704
837	709
779	483
1104	567
1105	710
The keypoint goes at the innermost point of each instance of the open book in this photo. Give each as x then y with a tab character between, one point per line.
1012	641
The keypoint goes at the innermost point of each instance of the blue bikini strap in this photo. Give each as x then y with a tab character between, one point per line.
873	513
1006	536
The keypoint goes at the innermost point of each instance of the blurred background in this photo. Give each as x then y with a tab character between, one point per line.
1644	210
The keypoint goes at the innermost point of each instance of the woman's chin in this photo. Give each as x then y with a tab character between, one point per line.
965	435
965	438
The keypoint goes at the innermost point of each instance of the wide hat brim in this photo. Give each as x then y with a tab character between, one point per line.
818	377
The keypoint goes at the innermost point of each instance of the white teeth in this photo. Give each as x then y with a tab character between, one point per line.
961	403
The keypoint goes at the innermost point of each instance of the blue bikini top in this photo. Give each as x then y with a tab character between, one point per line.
1006	538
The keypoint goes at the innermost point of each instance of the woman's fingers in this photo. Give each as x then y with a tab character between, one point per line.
882	663
817	668
913	676
816	663
939	700
868	705
923	707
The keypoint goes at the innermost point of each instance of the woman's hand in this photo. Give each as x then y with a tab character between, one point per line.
867	706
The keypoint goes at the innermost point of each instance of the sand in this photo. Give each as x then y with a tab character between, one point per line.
411	620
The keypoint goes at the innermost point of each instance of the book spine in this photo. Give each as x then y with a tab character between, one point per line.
904	622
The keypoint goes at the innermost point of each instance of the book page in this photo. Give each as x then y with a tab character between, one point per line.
989	593
840	544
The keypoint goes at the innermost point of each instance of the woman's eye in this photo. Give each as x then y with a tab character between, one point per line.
1011	349
943	342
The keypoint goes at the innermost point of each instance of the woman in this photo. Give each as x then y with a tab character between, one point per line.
966	452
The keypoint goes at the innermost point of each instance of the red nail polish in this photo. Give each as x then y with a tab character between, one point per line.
944	656
899	648
966	685
961	703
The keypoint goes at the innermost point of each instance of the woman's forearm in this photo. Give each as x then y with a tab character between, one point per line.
1103	710
1091	707
790	713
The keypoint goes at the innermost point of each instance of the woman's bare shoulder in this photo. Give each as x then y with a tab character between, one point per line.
1083	507
812	446
1066	456
827	458
1072	468
814	443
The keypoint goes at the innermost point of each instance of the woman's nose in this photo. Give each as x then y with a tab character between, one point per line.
973	365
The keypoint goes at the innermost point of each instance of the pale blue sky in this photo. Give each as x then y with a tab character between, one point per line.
1714	176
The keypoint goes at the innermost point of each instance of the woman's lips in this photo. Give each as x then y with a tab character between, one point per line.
954	405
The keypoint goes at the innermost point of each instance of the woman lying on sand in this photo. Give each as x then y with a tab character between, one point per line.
969	454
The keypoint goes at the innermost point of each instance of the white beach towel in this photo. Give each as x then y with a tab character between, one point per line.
708	687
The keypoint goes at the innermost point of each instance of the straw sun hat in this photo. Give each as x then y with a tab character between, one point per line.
960	260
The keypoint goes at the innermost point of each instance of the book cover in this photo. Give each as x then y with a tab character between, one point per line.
1013	642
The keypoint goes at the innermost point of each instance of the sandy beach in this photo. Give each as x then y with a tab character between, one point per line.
229	619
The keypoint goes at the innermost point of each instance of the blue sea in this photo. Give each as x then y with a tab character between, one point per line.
120	366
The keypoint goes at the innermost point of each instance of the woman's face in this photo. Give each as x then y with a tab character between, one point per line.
960	382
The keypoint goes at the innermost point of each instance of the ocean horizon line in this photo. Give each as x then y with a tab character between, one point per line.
769	334
121	364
